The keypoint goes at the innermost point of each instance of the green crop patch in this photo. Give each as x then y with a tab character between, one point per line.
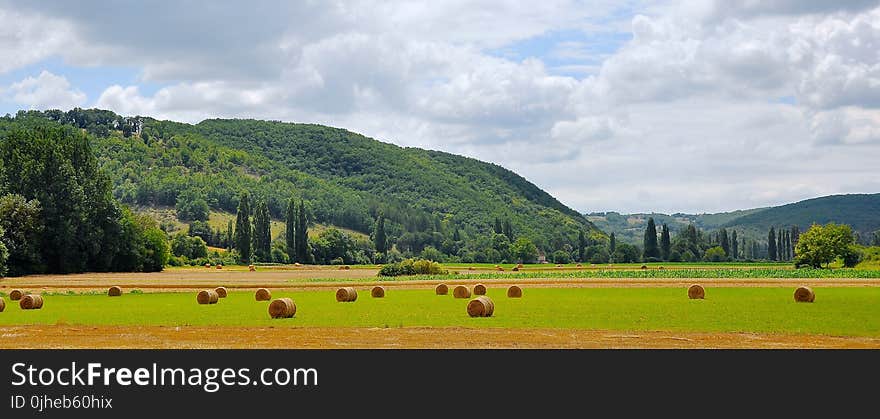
837	311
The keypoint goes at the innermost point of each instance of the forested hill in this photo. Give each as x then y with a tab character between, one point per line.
345	178
860	211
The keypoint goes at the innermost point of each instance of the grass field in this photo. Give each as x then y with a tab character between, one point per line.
836	312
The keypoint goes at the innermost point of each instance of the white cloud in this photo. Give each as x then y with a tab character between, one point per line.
46	91
711	105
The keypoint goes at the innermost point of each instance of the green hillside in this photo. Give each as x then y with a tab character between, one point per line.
346	179
630	228
860	211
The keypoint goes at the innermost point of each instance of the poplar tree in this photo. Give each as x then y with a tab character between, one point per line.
734	246
665	242
582	244
302	235
771	244
243	229
650	242
379	238
290	229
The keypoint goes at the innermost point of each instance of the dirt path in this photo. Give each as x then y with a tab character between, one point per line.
190	337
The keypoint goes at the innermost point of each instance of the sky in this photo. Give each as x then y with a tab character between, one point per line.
628	106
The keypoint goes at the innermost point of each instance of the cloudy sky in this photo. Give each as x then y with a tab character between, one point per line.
693	106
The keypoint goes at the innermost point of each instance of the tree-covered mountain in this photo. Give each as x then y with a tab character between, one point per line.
860	211
428	198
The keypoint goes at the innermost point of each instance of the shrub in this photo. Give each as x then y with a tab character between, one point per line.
412	267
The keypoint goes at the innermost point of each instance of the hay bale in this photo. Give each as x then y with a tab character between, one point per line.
252	268
263	294
297	264
479	289
377	292
461	291
344	268
514	292
114	291
208	265
499	269
804	295
441	289
579	265
219	266
15	295
519	265
221	292
481	306
207	297
31	302
282	308
696	292
515	269
346	295
644	267
2	304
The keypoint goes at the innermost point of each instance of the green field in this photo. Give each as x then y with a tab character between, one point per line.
837	311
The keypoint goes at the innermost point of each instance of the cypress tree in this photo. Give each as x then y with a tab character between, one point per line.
582	244
780	248
290	229
262	232
612	244
498	228
724	241
243	229
665	242
508	230
771	244
650	242
734	246
379	238
229	235
302	235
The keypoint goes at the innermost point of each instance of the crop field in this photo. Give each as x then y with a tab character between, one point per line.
744	308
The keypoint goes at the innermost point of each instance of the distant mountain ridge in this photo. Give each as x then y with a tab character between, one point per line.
861	211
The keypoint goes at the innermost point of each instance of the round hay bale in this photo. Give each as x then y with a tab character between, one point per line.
514	292
346	295
282	308
804	295
481	306
344	268
579	265
461	291
31	302
252	268
208	265
479	289
515	269
377	292
207	297
15	295
219	266
696	292
2	304
114	291
297	264
519	265
644	267
441	289
500	269
263	294
221	292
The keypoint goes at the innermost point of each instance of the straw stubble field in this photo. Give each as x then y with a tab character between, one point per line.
551	314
